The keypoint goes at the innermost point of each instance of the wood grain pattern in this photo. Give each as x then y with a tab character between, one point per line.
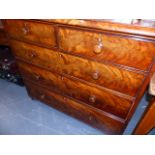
110	26
95	70
80	111
147	122
73	88
3	38
36	55
107	76
101	47
30	31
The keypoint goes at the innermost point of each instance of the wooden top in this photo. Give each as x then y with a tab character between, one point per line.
138	27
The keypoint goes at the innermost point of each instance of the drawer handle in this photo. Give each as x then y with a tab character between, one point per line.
33	55
90	118
42	96
25	29
92	99
37	77
98	47
95	75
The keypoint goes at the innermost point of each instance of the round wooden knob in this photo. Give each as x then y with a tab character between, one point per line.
97	49
33	55
37	77
95	75
42	96
99	46
65	99
92	98
90	118
25	29
62	78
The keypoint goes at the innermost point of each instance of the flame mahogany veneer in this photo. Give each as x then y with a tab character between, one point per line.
94	70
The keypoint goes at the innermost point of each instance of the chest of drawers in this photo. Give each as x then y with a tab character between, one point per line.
94	70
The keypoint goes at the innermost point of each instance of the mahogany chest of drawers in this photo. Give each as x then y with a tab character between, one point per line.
94	70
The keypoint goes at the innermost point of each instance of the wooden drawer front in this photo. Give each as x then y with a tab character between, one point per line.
100	74
3	38
98	46
104	75
36	55
31	31
80	111
90	95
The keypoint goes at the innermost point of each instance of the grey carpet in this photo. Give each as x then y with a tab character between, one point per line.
21	115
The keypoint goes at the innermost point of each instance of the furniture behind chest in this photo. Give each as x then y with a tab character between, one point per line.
94	70
8	67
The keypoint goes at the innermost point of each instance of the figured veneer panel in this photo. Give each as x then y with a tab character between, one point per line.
31	31
75	109
102	47
36	55
107	76
73	88
104	75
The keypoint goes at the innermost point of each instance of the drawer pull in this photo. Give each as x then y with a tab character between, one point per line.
42	96
33	55
37	77
98	48
95	75
90	118
92	98
25	29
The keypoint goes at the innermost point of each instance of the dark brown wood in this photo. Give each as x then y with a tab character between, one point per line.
80	111
147	122
3	36
75	89
108	76
86	67
98	46
30	31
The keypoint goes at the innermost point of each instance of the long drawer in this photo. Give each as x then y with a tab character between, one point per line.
100	74
104	47
75	89
31	31
73	108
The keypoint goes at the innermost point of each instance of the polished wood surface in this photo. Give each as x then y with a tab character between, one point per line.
104	75
73	108
102	47
95	64
75	89
110	26
30	31
147	122
36	55
3	36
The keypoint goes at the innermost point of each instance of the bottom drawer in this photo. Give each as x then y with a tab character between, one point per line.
81	111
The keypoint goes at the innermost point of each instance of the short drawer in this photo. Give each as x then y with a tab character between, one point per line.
33	54
31	31
100	74
90	95
103	47
75	109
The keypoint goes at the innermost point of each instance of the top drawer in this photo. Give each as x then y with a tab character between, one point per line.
103	47
31	31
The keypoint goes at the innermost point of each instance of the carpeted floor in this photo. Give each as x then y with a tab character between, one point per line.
21	115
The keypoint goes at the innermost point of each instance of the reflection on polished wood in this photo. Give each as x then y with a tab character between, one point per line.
94	70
